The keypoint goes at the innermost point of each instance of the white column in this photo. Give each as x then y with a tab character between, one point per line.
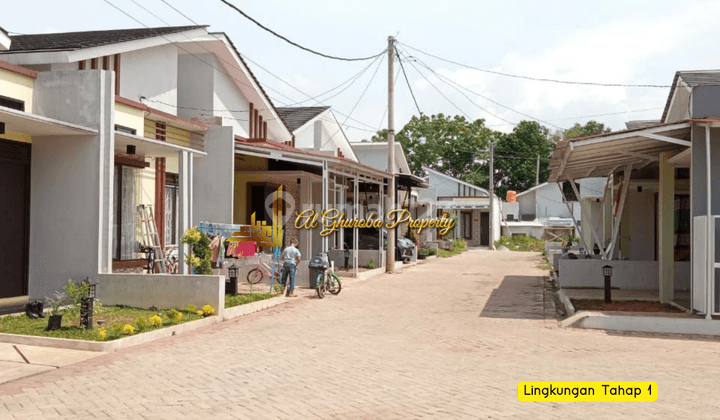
666	227
356	213
325	200
184	205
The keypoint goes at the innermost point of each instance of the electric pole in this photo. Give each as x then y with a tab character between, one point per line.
537	172
391	153
491	184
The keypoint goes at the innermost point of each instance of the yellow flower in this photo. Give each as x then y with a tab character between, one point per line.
155	320
102	333
199	312
179	316
207	310
128	329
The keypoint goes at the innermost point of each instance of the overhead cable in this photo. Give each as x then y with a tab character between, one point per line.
296	44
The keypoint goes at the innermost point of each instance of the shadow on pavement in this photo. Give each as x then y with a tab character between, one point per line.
518	297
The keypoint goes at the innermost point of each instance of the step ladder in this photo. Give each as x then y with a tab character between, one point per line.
151	239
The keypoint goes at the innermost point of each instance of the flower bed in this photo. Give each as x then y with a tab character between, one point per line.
120	321
245	298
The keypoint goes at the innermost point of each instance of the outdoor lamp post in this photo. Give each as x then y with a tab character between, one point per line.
231	285
86	308
607	273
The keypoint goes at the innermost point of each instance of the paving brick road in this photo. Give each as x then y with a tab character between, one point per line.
448	339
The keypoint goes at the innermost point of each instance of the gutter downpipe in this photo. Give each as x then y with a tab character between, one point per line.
710	220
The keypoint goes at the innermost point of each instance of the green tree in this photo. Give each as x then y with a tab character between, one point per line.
591	128
451	145
516	157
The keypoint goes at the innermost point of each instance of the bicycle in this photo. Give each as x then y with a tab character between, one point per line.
327	281
262	270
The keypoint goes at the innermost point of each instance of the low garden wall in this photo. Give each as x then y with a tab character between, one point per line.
634	275
162	290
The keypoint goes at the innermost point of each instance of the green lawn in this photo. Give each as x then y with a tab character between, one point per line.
243	298
118	315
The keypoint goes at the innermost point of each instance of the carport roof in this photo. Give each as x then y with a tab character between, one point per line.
600	155
38	125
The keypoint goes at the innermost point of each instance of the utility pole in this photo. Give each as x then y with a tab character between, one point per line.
491	184
537	172
391	153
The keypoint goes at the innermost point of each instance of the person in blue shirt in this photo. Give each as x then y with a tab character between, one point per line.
291	257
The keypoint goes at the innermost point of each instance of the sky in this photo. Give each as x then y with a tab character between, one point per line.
625	42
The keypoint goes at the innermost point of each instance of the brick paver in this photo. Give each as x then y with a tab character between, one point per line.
446	339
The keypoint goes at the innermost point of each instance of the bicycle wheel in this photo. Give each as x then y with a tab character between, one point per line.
334	285
255	276
320	285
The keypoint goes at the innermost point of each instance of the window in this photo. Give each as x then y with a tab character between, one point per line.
160	130
123	129
466	224
125	223
171	196
12	103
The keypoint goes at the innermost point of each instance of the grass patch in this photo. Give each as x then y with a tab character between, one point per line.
458	247
245	298
521	243
117	316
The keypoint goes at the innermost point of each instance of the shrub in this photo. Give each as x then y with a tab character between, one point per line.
102	333
423	253
173	315
75	294
115	330
141	323
521	243
432	251
206	310
191	309
200	260
371	264
128	329
459	245
155	320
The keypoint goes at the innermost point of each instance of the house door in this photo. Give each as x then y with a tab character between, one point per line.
14	217
485	229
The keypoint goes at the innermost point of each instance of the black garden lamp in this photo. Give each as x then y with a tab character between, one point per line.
87	306
607	273
231	284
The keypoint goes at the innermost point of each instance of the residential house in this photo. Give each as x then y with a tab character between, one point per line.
664	209
478	217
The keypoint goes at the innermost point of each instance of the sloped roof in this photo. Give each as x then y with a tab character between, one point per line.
296	117
77	40
692	79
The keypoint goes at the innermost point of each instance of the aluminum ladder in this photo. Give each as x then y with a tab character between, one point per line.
151	238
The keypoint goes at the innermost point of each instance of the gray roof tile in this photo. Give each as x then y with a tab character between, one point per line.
296	117
77	40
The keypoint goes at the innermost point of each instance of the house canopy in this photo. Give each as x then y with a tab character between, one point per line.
600	155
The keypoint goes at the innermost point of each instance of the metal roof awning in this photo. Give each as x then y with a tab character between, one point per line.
412	180
37	125
336	165
602	154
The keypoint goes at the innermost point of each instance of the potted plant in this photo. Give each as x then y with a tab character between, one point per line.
56	313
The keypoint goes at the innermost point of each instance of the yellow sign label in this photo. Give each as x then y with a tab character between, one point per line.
587	391
332	220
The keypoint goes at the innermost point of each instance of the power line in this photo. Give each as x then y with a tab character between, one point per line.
408	82
352	81
462	93
482	96
364	91
254	62
296	44
538	79
441	94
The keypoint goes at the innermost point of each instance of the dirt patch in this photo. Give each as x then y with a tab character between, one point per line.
623	305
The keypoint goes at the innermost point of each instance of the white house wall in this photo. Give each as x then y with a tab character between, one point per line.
152	73
226	96
195	85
